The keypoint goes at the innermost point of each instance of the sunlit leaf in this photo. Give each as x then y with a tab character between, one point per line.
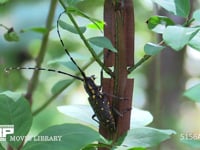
138	149
196	15
96	22
15	112
194	42
153	49
3	1
177	40
73	2
103	42
139	118
13	95
70	28
146	137
81	112
193	93
96	25
159	23
73	137
125	148
177	7
36	29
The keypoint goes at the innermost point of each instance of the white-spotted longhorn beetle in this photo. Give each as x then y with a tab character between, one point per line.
97	99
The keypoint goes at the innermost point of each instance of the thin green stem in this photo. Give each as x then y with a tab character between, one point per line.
107	70
188	22
140	62
52	98
34	80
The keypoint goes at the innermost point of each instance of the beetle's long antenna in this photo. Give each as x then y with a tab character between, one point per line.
67	52
44	69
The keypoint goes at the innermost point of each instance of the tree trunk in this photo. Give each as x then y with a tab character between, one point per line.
119	29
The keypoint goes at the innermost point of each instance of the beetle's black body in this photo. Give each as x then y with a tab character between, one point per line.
99	103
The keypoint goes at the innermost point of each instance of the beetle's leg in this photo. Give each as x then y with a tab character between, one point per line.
113	96
121	113
93	117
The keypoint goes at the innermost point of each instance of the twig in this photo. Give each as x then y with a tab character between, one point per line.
1	25
34	80
141	61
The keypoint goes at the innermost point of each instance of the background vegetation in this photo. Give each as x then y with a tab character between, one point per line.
159	84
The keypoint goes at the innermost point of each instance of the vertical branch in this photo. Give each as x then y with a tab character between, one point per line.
119	18
34	80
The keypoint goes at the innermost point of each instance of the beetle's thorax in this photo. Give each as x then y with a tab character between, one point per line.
90	86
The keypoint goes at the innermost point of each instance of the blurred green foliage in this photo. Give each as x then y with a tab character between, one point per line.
26	15
28	18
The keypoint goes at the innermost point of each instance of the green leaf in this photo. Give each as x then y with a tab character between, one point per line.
76	11
96	146
65	60
153	49
177	40
194	42
73	2
195	143
140	118
196	15
3	1
15	112
102	42
177	7
146	137
193	93
1	147
70	28
159	23
96	25
13	95
138	149
70	65
59	86
36	29
81	112
11	36
73	137
124	148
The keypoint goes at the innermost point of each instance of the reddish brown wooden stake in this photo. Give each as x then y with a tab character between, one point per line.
119	28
